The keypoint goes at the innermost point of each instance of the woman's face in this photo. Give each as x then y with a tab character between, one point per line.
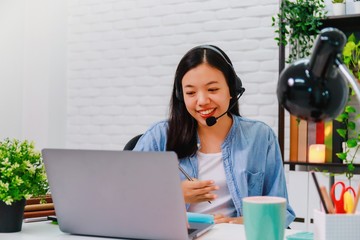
206	92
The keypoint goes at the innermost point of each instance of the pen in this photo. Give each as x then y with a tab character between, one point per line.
327	199
357	199
187	176
319	191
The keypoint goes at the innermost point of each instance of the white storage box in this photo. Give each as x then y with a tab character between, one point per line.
336	226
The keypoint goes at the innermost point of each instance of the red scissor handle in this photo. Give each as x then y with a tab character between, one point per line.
338	203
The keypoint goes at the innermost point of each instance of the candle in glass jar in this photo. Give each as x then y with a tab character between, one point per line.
317	153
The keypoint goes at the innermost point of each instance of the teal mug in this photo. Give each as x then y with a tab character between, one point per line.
264	217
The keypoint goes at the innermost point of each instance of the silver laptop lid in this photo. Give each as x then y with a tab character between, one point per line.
117	193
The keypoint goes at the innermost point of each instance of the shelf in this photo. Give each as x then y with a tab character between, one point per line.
346	23
331	167
349	23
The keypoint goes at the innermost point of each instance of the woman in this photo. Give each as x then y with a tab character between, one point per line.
228	156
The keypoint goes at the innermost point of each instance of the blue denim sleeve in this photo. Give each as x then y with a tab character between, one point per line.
154	139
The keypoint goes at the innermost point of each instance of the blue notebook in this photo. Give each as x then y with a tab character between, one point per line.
200	218
301	236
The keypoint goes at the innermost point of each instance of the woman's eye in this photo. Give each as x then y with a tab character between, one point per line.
190	93
213	89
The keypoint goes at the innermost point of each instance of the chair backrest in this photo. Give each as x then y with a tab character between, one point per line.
131	144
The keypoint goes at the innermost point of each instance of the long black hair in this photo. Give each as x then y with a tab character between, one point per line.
182	134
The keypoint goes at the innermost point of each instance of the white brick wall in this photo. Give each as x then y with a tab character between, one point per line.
122	56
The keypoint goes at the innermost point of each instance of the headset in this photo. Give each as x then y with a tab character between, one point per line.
235	82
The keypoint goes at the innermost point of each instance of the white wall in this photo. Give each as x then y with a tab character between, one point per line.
33	71
11	67
122	56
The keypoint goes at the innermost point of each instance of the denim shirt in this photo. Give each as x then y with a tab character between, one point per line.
251	155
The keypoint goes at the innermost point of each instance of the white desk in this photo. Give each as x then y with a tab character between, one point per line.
46	231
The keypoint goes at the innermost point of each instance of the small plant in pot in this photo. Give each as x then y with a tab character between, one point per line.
298	24
357	6
338	7
22	175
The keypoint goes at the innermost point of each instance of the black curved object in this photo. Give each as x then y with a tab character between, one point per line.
315	89
131	144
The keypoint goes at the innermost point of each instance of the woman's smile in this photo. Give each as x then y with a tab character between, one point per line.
207	113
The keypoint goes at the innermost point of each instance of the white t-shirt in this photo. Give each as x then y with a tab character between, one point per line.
211	168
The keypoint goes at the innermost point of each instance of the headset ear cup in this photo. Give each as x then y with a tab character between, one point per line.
238	86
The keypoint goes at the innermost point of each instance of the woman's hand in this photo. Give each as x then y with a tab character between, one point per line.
198	191
219	218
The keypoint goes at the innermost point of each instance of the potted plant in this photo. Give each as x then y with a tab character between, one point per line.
350	133
22	176
338	7
356	6
298	24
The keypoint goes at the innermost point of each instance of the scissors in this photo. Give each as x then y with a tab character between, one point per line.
345	203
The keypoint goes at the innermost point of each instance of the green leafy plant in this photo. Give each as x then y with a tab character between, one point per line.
351	55
350	134
298	24
22	173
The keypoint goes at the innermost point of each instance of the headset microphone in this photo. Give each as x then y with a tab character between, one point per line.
210	121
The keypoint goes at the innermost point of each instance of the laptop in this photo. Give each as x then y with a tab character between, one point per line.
120	194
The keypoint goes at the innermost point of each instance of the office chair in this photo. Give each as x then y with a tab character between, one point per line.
131	144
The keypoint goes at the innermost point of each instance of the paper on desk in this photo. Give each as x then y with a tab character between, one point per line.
200	217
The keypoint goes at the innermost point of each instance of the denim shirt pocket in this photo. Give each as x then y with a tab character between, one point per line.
255	183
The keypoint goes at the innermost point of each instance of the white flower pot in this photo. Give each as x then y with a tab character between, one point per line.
357	7
338	9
